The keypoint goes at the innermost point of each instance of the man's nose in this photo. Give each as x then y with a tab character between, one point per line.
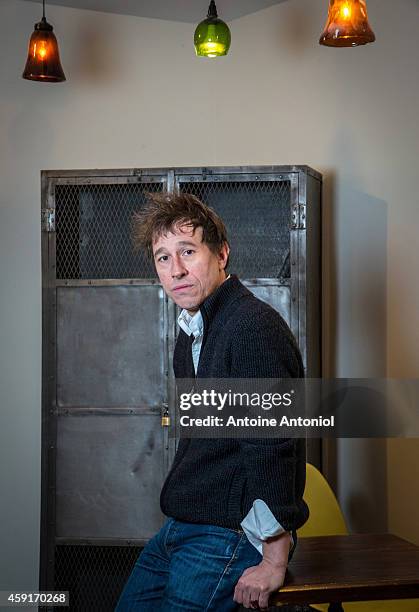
178	269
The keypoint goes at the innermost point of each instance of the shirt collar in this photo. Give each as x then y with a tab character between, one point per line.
191	324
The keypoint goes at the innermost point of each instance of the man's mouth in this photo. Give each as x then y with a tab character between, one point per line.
180	287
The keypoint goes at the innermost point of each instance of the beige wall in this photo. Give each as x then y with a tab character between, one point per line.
137	96
403	488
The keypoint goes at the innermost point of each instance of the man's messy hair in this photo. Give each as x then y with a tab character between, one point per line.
164	211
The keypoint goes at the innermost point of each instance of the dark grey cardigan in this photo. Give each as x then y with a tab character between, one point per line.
215	481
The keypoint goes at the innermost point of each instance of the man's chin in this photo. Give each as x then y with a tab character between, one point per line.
186	301
191	308
185	305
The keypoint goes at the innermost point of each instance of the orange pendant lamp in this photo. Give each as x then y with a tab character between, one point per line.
347	24
43	63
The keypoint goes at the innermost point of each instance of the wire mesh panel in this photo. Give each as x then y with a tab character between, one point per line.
94	230
257	217
94	575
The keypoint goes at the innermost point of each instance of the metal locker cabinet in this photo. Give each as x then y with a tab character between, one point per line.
108	338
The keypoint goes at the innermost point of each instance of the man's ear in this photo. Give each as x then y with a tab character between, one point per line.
223	255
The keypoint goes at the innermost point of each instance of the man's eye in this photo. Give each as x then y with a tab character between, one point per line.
188	252
162	258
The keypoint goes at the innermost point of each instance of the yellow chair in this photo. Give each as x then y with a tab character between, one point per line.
326	518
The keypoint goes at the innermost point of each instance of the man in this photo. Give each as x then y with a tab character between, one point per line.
231	504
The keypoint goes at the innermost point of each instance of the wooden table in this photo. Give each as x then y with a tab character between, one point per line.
361	567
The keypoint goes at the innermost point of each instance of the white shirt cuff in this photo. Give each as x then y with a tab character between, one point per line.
260	524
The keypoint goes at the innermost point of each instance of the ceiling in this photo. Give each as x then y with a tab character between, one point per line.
190	11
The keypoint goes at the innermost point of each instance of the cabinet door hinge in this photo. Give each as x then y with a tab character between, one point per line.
298	216
205	172
48	219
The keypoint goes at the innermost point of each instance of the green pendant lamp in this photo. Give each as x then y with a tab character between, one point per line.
43	62
212	36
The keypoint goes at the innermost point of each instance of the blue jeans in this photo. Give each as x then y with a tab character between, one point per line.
188	567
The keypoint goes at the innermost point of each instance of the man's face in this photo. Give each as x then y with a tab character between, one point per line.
187	268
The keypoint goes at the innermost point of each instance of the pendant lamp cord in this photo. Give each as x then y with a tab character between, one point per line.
212	10
43	9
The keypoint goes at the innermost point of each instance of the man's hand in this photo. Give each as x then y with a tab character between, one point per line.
258	582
